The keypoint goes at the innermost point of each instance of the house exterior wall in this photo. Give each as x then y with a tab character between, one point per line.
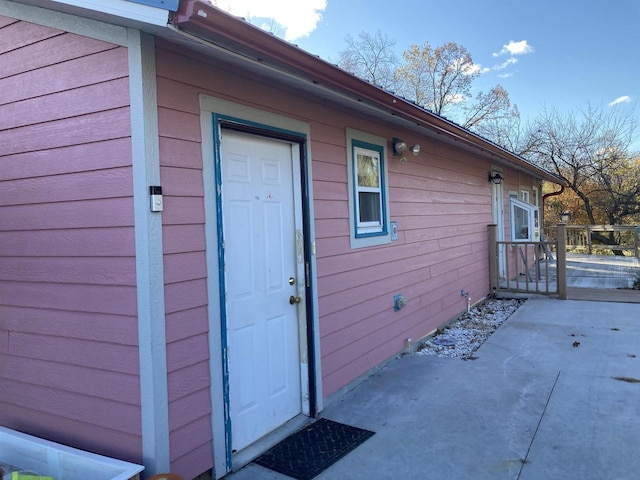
69	368
69	364
440	199
441	202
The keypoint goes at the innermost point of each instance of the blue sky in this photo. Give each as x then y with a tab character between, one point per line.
545	53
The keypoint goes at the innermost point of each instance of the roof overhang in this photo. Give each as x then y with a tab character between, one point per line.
140	14
207	30
239	42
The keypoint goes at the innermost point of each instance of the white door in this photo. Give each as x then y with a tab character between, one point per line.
262	273
497	201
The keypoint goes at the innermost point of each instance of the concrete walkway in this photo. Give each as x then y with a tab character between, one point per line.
532	406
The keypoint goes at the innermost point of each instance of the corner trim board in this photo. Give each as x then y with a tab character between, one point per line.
149	255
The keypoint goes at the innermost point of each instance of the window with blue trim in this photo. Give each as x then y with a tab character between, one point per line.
368	202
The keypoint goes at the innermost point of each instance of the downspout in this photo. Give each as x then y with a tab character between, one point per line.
544	197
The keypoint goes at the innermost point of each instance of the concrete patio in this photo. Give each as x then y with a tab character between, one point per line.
552	395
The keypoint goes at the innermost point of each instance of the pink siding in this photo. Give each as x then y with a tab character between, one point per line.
68	318
185	276
441	201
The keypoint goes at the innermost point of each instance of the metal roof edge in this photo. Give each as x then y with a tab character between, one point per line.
204	20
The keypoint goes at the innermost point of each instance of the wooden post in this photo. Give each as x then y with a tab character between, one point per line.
589	239
561	259
493	258
636	243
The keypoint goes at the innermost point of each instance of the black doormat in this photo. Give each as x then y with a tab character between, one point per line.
313	449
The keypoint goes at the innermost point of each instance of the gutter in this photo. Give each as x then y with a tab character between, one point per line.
198	18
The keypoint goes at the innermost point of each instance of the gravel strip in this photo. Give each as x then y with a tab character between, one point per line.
462	337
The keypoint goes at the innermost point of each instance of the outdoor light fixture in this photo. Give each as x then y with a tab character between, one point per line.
497	178
399	147
565	216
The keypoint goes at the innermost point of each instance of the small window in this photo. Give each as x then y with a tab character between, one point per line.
524	222
368	191
524	195
368	202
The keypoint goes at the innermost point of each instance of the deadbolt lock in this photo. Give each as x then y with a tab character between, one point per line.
292	280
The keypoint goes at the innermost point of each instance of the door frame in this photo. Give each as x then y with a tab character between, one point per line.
215	114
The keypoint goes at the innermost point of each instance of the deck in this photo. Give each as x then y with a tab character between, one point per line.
602	278
601	271
589	277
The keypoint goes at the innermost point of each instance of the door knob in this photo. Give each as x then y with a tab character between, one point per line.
293	300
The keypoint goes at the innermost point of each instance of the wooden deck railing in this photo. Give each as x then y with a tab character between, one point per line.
528	267
590	239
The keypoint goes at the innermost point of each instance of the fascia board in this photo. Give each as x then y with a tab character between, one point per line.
124	9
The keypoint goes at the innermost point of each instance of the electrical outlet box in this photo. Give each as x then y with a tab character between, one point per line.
399	302
394	230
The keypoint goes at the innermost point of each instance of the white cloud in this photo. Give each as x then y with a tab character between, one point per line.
505	75
623	99
502	66
475	68
515	48
298	18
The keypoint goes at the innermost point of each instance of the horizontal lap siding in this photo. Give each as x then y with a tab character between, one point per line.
440	199
185	274
68	317
441	202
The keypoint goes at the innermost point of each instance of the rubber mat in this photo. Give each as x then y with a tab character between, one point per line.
310	451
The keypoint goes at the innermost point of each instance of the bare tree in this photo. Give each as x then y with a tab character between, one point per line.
370	57
590	150
436	78
493	106
618	194
439	79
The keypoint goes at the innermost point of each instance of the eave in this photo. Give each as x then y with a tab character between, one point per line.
274	56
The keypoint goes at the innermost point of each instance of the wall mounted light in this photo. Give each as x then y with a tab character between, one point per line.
400	147
496	178
565	216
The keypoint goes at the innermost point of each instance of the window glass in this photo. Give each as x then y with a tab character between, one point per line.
521	220
368	169
369	196
369	208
